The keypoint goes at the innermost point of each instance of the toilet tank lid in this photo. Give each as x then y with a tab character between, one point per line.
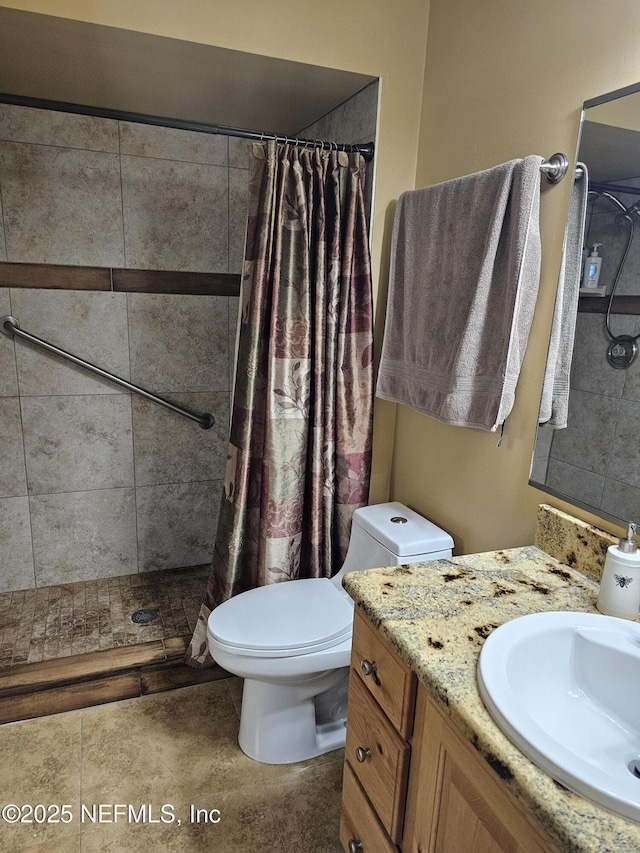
416	536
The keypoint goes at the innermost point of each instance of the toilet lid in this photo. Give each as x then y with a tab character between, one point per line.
284	619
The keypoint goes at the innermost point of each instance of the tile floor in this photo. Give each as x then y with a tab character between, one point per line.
179	749
69	619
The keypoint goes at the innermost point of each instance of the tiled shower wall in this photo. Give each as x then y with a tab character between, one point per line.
95	482
353	122
596	460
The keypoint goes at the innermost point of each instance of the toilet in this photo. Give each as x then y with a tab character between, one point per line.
291	641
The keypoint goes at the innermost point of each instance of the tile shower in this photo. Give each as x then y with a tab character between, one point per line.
594	459
98	487
105	498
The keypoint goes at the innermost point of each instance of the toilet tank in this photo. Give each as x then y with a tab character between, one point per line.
391	534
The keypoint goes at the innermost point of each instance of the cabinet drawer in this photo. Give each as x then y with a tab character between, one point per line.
387	677
378	756
359	824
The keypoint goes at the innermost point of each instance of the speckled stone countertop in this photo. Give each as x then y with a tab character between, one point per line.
437	615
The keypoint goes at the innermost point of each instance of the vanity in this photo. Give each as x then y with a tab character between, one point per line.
426	768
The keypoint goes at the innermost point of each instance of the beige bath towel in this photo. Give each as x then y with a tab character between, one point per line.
465	268
554	405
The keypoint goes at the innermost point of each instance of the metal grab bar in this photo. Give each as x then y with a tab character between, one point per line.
10	327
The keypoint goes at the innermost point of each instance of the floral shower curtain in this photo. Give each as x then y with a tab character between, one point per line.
299	455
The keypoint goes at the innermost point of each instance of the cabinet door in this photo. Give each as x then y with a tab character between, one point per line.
455	803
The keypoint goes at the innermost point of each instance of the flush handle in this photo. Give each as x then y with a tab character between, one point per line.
370	667
355	846
362	754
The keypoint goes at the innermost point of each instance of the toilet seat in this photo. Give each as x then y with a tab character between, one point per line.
283	620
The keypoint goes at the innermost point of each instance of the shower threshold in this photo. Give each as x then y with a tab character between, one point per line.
74	645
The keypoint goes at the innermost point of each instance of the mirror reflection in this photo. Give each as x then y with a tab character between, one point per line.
595	461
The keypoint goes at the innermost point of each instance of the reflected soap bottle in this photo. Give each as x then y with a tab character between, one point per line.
619	593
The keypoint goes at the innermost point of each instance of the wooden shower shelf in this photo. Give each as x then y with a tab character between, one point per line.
80	681
599	304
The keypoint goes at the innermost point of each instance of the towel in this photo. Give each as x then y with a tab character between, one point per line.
465	269
554	405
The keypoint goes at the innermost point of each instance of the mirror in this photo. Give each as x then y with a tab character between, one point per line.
595	462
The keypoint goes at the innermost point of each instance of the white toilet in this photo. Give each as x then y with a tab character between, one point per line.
291	641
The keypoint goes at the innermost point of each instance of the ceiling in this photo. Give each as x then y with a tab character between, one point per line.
57	59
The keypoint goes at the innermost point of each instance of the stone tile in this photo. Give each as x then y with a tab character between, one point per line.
104	535
16	555
239	152
61	205
541	450
92	326
590	370
575	482
179	343
8	373
78	443
632	373
168	143
246	823
621	500
49	127
173	747
61	844
177	524
41	764
12	466
3	245
235	686
173	449
538	471
351	121
238	207
175	215
301	821
587	440
624	462
234	307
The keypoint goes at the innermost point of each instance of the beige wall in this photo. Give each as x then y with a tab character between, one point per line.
504	79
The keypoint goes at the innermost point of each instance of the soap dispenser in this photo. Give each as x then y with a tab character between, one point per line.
591	273
620	584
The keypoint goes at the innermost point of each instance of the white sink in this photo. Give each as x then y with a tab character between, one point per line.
565	689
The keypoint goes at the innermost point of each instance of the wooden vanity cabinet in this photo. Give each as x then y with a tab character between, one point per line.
411	781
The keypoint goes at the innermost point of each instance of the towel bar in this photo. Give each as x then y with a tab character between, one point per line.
555	168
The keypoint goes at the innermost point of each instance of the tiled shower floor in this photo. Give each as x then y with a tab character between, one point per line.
71	619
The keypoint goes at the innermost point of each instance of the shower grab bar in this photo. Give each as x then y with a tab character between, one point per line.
10	327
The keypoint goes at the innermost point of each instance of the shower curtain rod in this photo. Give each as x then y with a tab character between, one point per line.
366	149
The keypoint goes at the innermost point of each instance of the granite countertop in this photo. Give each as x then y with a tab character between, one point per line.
437	616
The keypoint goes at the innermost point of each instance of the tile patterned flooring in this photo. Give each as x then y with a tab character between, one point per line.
177	748
70	619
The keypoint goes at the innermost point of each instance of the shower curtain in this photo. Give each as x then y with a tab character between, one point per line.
299	456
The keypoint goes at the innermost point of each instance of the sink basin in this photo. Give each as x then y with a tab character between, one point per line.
565	689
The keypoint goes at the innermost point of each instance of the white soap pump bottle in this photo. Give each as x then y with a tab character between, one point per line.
592	268
620	584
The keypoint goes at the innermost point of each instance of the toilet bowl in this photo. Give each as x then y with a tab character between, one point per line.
291	641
